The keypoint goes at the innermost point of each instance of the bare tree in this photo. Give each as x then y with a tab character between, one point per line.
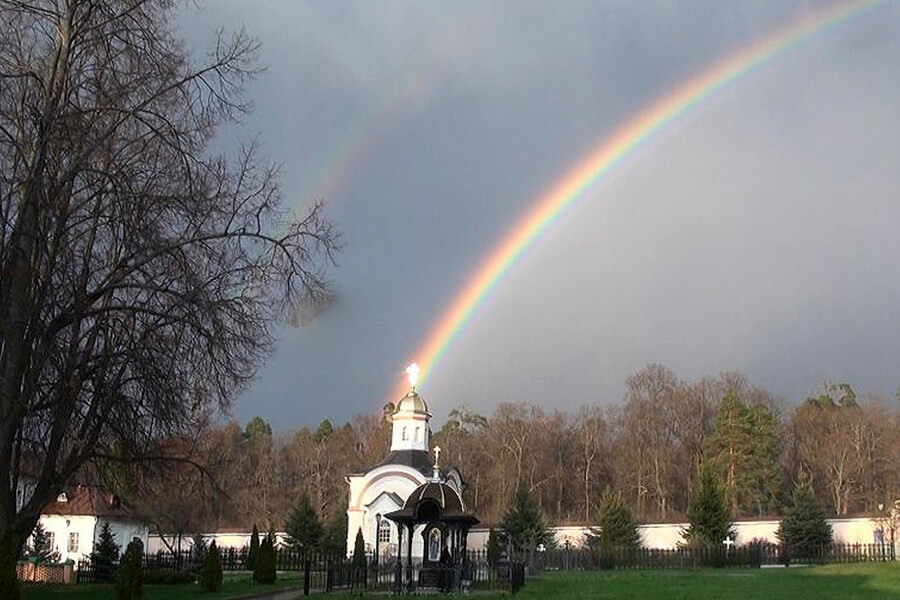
140	274
592	436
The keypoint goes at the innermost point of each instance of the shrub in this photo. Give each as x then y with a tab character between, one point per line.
211	576
264	570
129	583
254	549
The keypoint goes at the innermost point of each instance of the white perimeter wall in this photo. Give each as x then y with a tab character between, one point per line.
668	535
659	535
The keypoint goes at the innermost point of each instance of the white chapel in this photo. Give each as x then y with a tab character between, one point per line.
386	487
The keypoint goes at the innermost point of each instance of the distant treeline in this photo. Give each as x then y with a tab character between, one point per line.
648	448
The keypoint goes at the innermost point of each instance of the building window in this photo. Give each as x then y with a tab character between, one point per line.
51	541
384	533
73	541
403	434
417	433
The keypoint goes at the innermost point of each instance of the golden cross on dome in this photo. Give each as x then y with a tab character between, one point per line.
412	373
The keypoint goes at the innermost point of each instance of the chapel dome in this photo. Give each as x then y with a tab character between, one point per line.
412	403
445	496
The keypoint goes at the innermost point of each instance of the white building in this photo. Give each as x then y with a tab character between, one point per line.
385	487
74	520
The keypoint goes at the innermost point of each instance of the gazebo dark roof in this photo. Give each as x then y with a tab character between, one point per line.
430	496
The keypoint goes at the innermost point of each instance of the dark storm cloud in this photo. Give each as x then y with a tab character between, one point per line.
755	235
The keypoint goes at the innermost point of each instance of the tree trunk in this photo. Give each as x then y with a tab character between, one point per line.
9	552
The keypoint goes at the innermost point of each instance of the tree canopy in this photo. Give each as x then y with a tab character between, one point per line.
142	272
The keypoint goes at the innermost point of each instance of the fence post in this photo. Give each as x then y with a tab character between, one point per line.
306	569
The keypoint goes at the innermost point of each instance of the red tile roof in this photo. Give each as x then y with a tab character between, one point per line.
90	501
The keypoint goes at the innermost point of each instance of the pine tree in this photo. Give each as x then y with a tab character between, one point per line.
264	570
304	528
359	558
105	554
494	548
211	575
198	547
130	580
334	538
710	523
254	548
41	551
743	449
804	527
523	526
617	528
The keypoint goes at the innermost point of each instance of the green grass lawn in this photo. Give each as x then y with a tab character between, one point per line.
834	582
233	585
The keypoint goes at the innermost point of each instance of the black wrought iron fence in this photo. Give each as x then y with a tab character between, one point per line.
326	572
749	556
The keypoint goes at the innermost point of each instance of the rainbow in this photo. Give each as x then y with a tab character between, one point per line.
624	141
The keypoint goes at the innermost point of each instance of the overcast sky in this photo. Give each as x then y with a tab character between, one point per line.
760	234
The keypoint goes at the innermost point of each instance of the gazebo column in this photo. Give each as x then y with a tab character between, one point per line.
409	565
398	573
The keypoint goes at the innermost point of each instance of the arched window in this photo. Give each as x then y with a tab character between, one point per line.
417	433
403	434
384	533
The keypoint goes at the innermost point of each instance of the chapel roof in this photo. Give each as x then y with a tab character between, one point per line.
420	460
89	501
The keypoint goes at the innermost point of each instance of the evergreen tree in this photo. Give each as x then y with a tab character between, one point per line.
304	528
254	548
41	551
211	575
105	554
617	528
325	429
359	558
264	570
743	449
130	580
198	547
334	538
494	548
710	523
804	527
523	526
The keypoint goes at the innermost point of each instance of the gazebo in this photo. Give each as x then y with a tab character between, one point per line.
440	508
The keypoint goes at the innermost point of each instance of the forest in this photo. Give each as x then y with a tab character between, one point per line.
647	448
